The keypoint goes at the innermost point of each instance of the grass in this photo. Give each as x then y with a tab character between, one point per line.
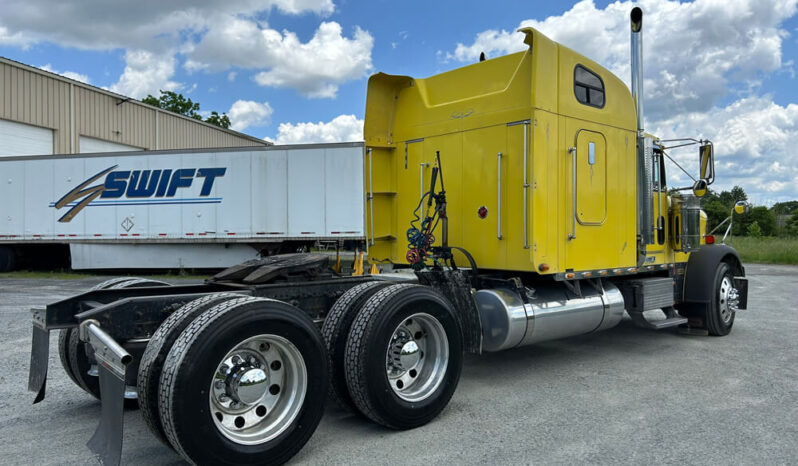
766	250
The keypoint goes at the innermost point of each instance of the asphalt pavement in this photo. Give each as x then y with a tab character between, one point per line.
623	396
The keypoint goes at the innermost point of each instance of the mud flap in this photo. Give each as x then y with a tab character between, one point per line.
106	442
112	361
39	356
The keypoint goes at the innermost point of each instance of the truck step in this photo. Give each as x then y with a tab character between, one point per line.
672	320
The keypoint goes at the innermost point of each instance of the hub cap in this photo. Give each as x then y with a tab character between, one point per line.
728	299
258	389
417	357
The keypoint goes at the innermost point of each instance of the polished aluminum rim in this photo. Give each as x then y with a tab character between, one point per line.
417	357
257	389
727	299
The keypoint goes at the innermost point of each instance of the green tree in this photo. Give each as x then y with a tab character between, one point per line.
218	120
762	216
753	230
784	208
178	103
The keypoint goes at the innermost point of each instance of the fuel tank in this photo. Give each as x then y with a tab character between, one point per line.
551	313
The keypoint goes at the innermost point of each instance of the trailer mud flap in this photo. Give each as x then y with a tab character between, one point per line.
39	357
112	361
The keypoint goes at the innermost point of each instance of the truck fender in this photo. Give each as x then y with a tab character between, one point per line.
700	272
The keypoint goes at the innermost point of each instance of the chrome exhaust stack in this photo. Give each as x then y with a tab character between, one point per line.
645	149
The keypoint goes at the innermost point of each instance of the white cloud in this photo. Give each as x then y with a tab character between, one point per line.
67	74
340	129
692	51
146	73
212	34
246	113
231	76
315	68
103	25
698	56
754	145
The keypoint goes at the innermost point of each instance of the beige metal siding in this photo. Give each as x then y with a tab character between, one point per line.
175	133
36	100
39	98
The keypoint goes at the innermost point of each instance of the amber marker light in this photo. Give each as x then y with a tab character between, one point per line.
543	267
569	276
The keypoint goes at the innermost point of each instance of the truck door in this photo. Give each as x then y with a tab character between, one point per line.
588	236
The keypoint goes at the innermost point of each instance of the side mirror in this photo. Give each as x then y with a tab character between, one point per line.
741	207
707	160
700	188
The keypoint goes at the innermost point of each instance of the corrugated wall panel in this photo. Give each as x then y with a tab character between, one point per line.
42	100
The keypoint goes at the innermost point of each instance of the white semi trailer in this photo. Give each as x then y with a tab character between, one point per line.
208	208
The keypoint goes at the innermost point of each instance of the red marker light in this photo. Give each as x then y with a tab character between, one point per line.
710	239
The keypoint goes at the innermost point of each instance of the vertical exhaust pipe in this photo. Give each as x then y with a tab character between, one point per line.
645	209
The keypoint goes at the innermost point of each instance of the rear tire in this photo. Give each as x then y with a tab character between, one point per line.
154	356
72	351
336	331
191	402
390	378
720	315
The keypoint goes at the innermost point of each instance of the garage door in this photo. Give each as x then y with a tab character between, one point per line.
88	145
21	139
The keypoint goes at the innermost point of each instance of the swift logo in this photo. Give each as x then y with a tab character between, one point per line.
139	187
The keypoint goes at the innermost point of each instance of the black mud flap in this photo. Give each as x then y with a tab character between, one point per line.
106	442
112	361
39	356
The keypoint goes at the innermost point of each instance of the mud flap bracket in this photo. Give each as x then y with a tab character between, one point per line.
112	361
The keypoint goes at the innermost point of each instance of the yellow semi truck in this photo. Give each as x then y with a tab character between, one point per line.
509	202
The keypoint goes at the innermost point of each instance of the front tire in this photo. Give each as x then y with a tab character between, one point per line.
720	315
404	356
245	383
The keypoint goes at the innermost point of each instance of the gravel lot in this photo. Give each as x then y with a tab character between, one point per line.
626	395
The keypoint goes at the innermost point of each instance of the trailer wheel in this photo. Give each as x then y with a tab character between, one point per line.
335	332
8	259
245	383
404	356
158	347
720	315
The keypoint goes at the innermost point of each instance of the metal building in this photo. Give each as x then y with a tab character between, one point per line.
46	113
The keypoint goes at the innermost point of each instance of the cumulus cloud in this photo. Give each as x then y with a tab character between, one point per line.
342	128
315	68
698	56
146	73
102	25
754	141
212	34
246	113
67	74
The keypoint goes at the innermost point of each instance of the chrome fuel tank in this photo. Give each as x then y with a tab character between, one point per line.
553	313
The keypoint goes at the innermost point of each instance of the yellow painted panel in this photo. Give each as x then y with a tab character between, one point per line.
591	178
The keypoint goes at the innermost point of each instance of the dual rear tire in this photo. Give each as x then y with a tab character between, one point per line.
402	358
235	380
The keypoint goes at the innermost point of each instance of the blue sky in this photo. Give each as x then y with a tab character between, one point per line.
296	70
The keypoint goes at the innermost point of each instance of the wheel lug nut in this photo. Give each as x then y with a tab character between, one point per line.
219	384
224	369
236	359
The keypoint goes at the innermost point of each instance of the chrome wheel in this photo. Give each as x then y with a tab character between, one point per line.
727	299
258	389
417	357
